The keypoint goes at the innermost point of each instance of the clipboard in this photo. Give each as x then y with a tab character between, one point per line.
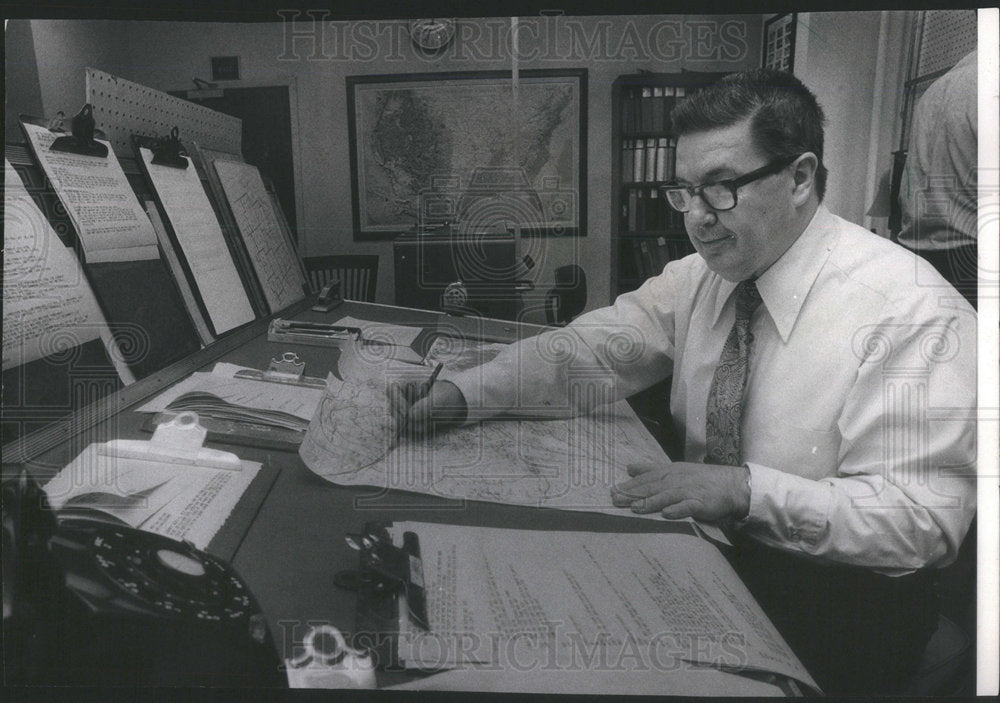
139	299
81	139
387	576
287	370
170	152
256	261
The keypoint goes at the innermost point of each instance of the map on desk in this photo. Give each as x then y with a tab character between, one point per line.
569	464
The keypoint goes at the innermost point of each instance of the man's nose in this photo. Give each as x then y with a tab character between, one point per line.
699	213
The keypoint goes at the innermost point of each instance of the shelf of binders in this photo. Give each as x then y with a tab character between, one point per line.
647	232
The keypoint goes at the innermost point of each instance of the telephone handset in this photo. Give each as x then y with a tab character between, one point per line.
88	602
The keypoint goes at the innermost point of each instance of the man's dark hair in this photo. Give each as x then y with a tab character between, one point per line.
786	120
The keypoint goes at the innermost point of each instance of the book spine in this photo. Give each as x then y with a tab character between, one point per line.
668	106
653	209
671	161
647	260
646	110
626	108
659	122
661	159
627	159
639	161
633	207
650	168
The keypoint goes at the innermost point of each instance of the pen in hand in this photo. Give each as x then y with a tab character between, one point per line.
422	391
425	388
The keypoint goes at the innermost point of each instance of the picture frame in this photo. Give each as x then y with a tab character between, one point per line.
468	153
779	42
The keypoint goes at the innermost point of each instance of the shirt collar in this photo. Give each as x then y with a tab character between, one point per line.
785	285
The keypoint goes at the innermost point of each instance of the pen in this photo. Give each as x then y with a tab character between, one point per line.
316	326
426	388
424	391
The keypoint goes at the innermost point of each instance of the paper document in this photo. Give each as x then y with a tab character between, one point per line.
177	271
459	354
400	335
47	301
179	501
680	681
203	246
271	254
298	401
565	601
567	464
108	218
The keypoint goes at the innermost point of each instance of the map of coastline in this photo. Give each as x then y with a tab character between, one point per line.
412	137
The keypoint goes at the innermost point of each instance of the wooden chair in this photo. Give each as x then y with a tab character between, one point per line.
358	274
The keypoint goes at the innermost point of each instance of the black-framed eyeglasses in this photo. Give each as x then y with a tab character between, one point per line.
719	195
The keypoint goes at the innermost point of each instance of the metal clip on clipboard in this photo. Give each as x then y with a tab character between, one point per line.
288	370
387	575
179	441
320	334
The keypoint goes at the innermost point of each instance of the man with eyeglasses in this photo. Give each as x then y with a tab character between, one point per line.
826	401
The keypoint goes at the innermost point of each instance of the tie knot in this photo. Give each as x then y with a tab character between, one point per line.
747	299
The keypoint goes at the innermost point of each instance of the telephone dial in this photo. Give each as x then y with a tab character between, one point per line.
89	602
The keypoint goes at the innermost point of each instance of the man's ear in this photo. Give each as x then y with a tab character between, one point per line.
804	173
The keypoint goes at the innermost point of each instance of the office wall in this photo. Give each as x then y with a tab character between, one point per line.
22	91
315	59
836	56
64	48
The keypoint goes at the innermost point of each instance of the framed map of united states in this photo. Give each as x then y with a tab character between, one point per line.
469	152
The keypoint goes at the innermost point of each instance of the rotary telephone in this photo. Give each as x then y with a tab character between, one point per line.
90	602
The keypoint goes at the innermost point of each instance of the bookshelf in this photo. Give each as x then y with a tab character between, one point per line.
646	232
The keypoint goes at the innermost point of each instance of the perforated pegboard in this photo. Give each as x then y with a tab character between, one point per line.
948	36
123	108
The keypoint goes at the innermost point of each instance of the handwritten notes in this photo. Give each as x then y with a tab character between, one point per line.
202	244
271	254
107	216
47	301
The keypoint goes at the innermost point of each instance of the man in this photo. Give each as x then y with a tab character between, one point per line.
826	402
938	193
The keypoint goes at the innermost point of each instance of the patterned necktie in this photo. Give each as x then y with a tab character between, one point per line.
725	398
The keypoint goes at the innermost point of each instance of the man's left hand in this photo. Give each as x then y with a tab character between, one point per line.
682	489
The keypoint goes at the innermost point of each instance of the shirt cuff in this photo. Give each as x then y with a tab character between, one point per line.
470	383
788	509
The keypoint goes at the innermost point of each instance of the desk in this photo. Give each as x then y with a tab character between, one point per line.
294	545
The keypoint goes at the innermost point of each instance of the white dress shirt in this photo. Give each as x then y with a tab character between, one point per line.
859	417
938	193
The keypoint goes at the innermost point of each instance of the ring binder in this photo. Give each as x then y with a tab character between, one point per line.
82	142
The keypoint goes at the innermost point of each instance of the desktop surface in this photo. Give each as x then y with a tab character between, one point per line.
294	545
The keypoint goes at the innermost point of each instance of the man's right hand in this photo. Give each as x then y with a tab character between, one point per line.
413	410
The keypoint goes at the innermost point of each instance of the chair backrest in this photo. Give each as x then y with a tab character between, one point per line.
358	274
568	297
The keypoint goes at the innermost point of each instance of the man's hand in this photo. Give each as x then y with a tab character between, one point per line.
413	410
681	489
